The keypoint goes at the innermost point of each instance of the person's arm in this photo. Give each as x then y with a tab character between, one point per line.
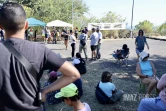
114	89
138	70
69	73
154	69
136	42
146	43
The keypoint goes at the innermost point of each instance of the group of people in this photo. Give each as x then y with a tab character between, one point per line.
20	87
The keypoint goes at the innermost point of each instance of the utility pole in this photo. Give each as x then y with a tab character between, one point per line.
72	11
132	20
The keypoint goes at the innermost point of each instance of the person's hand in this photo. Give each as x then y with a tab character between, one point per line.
151	77
148	47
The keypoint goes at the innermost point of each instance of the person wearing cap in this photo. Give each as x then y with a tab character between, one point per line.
140	42
100	36
147	72
155	104
70	96
50	96
93	43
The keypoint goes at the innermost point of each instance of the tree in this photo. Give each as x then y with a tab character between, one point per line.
162	29
146	26
112	17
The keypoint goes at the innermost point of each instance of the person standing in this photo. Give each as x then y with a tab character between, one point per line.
94	42
76	32
31	33
73	43
35	36
47	34
66	39
18	88
100	36
83	43
43	34
140	42
86	30
54	35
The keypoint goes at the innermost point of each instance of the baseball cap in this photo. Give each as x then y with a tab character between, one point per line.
53	74
142	55
67	91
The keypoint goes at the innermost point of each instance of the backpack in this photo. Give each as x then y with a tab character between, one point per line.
82	41
81	67
101	96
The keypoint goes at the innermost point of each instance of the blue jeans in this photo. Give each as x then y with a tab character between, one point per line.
152	104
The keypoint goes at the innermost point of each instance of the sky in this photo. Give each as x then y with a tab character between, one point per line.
152	10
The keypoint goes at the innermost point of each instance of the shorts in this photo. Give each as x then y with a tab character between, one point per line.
46	36
93	47
138	51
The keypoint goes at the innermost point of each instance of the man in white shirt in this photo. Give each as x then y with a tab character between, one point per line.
94	43
83	43
100	37
73	43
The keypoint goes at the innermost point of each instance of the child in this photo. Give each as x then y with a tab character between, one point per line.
108	87
80	64
70	96
50	96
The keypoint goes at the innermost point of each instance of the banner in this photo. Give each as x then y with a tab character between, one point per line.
107	26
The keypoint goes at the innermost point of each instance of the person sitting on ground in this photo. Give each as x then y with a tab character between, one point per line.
79	63
71	97
109	88
121	54
78	83
155	104
147	72
50	96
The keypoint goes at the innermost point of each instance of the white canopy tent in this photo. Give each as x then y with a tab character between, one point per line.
59	23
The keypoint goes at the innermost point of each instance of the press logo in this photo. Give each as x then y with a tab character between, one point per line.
135	97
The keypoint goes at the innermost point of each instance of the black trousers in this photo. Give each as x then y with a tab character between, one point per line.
73	49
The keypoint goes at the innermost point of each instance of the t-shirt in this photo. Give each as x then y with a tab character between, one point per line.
94	38
86	108
140	41
73	39
83	36
76	61
17	93
107	88
100	36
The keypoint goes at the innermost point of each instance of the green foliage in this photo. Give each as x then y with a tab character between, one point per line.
112	17
162	29
146	26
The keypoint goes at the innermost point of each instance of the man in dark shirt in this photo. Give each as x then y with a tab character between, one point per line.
17	91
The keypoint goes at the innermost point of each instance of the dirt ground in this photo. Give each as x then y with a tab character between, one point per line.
124	78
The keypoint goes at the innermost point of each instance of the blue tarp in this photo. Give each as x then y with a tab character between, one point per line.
35	22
